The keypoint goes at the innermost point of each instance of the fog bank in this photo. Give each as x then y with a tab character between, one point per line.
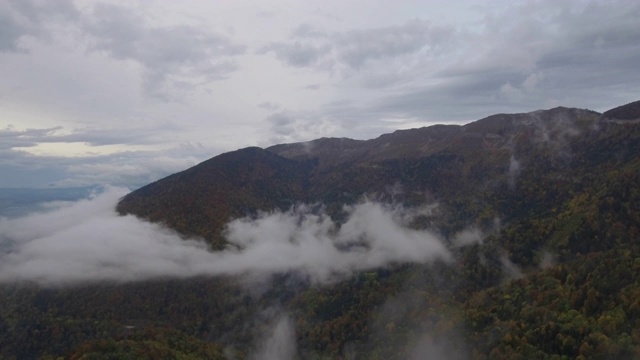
88	241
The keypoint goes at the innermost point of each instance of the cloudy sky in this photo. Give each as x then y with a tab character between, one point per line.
125	92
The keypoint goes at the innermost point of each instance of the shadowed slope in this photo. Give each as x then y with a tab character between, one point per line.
200	200
438	163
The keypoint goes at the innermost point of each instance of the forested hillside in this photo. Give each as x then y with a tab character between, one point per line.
540	213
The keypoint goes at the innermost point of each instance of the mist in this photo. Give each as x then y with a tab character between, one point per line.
88	241
280	344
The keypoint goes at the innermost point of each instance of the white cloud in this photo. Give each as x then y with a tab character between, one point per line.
88	241
281	342
468	237
172	56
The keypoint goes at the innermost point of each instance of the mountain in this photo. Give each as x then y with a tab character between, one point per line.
629	111
437	163
200	200
540	212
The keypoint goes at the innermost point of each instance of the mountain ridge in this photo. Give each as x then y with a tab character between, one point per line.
539	212
341	170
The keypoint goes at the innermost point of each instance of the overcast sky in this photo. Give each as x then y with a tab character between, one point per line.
125	92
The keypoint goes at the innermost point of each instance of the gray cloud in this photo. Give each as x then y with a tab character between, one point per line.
96	137
70	63
10	32
357	47
22	170
267	105
289	126
24	138
308	31
128	156
282	123
87	241
519	65
173	57
300	54
21	18
123	168
520	58
313	87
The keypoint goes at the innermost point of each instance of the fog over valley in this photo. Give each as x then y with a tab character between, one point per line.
88	241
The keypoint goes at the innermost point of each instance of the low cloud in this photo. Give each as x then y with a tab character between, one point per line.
440	348
281	342
547	260
514	171
173	59
88	241
468	237
510	270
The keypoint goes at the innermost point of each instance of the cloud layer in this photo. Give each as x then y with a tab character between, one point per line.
154	75
87	241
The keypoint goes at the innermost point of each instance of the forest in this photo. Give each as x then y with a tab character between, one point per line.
540	212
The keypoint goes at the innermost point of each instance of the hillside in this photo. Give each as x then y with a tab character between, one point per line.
629	111
540	212
437	163
200	200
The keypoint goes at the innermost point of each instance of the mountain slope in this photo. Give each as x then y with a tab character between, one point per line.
629	111
437	163
552	271
200	200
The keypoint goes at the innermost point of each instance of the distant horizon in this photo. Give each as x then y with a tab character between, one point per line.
126	92
132	186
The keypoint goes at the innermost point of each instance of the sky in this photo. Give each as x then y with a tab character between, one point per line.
126	92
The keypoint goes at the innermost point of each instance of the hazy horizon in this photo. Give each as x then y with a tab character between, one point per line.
124	93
